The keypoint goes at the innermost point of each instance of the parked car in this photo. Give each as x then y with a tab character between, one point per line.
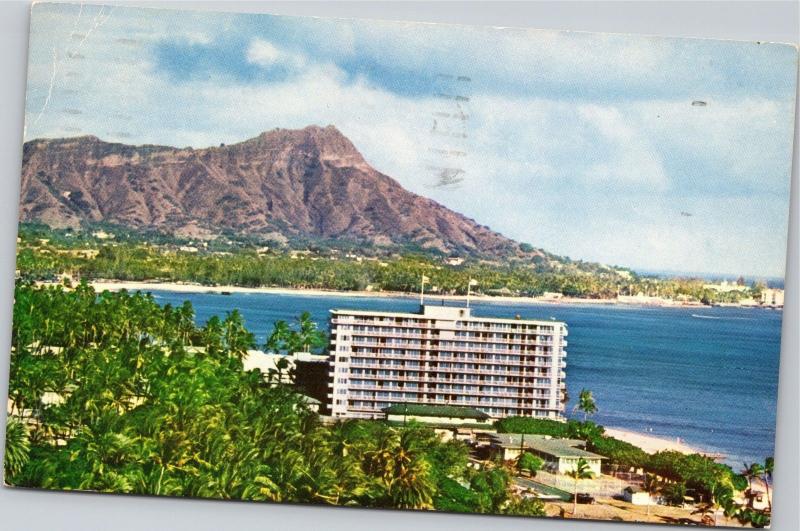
585	497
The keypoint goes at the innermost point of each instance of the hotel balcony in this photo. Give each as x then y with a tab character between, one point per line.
411	380
457	381
498	328
524	329
443	346
429	379
418	375
542	338
449	340
476	402
377	357
375	322
421	363
463	356
398	334
424	390
383	371
422	371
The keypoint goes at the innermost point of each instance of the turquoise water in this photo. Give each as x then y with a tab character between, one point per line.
707	375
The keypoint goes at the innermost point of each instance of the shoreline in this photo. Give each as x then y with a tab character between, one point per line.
648	442
654	443
113	285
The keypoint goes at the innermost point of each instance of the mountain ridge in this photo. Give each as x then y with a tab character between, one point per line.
294	183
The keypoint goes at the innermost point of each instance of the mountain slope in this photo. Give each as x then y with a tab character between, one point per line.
308	183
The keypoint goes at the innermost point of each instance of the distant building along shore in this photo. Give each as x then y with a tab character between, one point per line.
445	356
772	297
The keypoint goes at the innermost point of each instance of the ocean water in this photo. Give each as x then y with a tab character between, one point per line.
706	375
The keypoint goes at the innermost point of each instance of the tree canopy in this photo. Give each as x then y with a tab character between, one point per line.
45	254
111	392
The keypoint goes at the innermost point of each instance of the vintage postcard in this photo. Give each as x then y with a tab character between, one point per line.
400	265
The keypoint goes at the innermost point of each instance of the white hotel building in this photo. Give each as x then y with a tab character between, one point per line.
444	355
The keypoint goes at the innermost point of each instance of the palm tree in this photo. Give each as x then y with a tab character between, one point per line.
529	463
721	496
397	461
758	519
308	335
279	338
733	510
237	338
653	485
753	471
769	466
276	375
18	448
581	471
586	404
750	473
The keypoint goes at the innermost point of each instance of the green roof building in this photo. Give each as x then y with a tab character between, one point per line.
560	455
436	414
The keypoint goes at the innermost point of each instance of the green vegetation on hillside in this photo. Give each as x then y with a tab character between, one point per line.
45	254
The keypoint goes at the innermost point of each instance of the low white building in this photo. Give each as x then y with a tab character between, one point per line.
772	297
636	496
103	235
272	364
560	456
756	497
726	287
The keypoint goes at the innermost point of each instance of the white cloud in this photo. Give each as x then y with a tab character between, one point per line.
631	159
602	180
740	141
264	53
197	37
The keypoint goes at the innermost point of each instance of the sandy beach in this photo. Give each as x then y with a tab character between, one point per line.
113	285
651	443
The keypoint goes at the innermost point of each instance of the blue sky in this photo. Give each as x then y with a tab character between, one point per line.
594	146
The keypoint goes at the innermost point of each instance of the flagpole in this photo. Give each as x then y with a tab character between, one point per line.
422	291
470	283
